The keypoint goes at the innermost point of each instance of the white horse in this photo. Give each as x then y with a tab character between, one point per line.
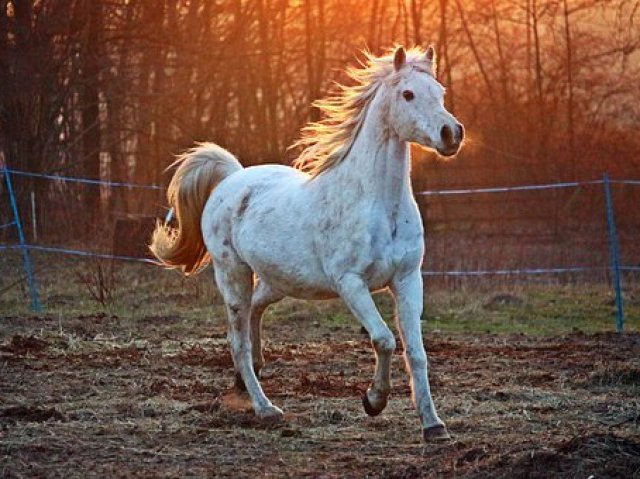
346	227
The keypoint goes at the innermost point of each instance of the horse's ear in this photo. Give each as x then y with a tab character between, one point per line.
431	57
399	58
431	54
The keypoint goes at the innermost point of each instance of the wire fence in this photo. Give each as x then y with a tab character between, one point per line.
615	268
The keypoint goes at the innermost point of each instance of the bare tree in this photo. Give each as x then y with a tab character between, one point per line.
113	89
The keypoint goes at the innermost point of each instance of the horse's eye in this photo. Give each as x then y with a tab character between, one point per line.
408	95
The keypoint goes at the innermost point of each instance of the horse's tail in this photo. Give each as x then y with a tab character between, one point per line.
199	171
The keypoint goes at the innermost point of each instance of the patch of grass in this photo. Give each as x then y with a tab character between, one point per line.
143	290
535	309
148	291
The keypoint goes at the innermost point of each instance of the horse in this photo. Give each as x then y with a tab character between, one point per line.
342	222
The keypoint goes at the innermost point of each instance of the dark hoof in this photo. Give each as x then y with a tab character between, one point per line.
436	433
369	409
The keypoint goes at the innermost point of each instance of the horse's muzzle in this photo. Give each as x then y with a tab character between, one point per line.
450	139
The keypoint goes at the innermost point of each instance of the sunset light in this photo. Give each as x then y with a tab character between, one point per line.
320	238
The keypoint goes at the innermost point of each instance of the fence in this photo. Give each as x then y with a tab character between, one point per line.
615	266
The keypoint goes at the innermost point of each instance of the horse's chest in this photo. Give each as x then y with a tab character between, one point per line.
391	247
387	255
372	244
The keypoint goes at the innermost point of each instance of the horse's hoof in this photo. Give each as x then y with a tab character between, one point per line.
436	433
271	415
368	407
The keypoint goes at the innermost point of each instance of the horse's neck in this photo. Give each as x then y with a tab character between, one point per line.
376	170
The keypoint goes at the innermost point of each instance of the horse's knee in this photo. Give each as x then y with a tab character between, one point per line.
385	344
237	311
416	359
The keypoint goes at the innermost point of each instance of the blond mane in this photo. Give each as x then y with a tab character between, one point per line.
326	143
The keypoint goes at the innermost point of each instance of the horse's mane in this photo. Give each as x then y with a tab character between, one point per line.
326	143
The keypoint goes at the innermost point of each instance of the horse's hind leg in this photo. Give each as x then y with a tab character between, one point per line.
356	295
235	281
263	296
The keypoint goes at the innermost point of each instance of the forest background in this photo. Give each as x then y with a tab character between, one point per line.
111	89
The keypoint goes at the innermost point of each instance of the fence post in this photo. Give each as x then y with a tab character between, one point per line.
614	252
26	259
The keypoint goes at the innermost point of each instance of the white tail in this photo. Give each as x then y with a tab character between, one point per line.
199	171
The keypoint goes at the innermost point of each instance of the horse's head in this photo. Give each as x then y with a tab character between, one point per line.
416	107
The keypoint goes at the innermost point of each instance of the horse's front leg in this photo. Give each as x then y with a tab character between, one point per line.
355	293
407	289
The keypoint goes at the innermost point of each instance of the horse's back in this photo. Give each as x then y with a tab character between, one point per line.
261	178
251	192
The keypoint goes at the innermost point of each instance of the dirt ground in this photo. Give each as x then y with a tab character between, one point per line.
100	395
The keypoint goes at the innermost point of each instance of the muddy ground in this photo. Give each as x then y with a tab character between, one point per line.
104	396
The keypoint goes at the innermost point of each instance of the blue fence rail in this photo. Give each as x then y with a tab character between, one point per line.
615	267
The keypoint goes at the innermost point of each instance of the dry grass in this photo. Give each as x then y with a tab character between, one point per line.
110	396
525	376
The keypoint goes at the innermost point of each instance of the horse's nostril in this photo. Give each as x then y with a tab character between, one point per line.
460	132
446	134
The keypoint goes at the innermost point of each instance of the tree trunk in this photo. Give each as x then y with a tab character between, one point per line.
474	49
416	18
570	130
269	100
540	138
373	22
443	47
90	106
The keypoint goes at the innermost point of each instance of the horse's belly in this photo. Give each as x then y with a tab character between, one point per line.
295	280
